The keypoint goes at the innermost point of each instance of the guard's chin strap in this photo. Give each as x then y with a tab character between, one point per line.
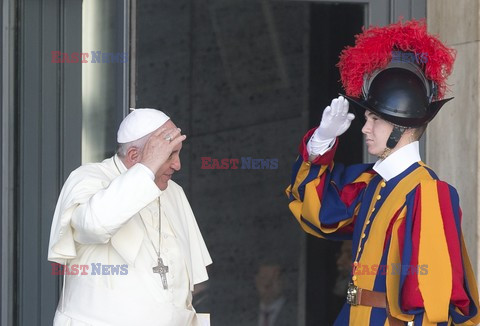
395	136
393	139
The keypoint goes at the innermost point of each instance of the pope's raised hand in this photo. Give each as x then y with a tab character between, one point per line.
160	146
335	119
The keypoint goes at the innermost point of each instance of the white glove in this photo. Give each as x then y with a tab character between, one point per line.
335	121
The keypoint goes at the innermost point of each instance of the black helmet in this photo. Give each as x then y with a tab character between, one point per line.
401	95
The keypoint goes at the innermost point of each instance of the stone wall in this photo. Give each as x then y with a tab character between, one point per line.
452	137
233	77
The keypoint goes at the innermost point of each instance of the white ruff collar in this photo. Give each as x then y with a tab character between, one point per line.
398	161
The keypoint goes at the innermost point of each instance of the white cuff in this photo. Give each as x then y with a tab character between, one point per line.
317	146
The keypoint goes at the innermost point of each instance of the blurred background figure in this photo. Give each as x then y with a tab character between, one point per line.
269	281
344	268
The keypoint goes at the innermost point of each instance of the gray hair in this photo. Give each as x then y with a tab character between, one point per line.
123	148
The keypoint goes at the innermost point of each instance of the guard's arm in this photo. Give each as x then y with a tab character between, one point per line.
324	197
437	283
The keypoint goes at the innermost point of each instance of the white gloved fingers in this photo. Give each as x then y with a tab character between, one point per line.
344	105
333	103
335	120
346	124
327	114
338	100
334	106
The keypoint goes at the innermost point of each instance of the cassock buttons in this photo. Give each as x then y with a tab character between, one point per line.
308	163
383	184
379	197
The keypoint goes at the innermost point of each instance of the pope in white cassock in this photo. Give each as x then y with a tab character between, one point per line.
127	212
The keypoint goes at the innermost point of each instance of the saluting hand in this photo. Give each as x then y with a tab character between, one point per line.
160	146
335	119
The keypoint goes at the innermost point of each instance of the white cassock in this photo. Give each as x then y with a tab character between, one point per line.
108	217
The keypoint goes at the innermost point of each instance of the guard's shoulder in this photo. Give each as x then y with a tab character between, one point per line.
429	176
424	177
427	172
436	188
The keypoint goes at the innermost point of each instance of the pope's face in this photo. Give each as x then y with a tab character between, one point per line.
171	166
376	131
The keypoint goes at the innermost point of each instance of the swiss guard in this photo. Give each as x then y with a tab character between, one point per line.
410	264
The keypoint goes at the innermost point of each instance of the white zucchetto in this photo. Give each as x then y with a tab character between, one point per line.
139	123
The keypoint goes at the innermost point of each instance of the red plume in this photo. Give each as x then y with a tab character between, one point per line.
373	50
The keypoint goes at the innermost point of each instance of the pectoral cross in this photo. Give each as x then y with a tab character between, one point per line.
162	270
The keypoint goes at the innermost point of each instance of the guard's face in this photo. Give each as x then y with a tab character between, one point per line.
171	166
376	131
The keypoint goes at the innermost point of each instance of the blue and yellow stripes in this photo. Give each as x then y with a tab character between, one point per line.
311	182
413	219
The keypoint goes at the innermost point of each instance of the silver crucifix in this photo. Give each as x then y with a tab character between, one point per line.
162	270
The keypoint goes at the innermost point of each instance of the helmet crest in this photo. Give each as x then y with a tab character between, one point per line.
374	49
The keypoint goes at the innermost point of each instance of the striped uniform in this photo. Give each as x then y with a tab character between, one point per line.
406	238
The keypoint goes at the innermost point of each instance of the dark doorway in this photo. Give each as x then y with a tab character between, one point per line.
241	79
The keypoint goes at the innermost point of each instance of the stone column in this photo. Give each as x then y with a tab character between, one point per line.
452	138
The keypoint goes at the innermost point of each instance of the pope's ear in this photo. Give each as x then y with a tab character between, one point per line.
133	155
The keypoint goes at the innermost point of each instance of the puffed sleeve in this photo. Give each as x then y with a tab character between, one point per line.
325	197
436	284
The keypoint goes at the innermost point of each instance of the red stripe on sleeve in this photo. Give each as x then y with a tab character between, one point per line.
350	192
321	186
459	296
